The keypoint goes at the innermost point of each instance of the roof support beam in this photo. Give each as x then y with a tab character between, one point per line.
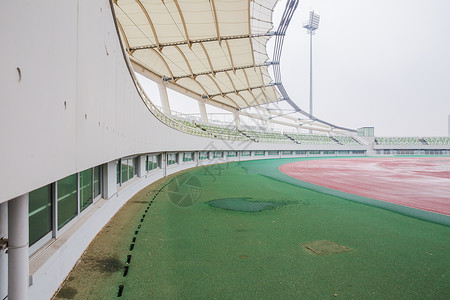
164	61
209	59
215	83
240	90
144	71
250	30
127	45
211	39
157	45
213	72
231	57
184	23
186	61
216	21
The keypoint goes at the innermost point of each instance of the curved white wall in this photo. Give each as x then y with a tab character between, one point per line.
76	105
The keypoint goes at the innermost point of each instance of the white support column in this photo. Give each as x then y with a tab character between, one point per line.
203	113
109	179
268	125
164	99
164	163
298	130
237	120
18	265
3	255
142	160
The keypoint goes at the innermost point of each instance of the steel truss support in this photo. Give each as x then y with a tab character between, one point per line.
211	39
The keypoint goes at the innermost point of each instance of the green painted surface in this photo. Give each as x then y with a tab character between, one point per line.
201	252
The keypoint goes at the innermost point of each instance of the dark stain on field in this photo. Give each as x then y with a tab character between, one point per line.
67	292
106	265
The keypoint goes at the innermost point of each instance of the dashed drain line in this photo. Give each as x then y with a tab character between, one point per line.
133	240
119	293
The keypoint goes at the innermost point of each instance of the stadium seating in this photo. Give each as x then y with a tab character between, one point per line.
222	132
267	136
398	141
346	140
311	139
437	140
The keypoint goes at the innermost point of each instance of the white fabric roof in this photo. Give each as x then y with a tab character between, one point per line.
213	48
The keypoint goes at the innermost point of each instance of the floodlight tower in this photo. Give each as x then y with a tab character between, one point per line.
311	26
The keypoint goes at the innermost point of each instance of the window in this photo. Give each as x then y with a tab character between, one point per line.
152	162
97	182
272	153
314	151
127	169
118	163
344	152
40	213
187	156
131	167
328	152
245	153
217	154
258	153
231	154
172	158
286	153
300	152
124	170
67	199
73	194
202	155
85	189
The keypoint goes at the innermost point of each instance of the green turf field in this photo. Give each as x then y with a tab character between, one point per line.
186	248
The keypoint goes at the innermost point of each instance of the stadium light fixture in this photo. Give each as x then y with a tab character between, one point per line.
311	26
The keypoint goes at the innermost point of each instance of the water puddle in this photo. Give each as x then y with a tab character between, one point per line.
244	204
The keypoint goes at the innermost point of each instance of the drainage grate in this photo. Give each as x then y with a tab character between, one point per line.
325	247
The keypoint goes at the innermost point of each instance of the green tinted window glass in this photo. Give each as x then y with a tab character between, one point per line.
40	213
97	182
155	161
187	156
124	170
67	199
151	162
85	189
130	168
171	158
118	172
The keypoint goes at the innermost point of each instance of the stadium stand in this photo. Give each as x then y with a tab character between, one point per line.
222	132
311	139
437	140
267	136
345	140
398	141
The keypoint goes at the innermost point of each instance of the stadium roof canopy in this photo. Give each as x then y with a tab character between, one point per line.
213	48
215	52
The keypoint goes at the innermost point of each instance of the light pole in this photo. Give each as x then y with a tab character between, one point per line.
311	27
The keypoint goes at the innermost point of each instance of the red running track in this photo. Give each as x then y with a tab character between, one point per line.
422	183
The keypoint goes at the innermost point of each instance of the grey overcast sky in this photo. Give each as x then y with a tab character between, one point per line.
381	63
